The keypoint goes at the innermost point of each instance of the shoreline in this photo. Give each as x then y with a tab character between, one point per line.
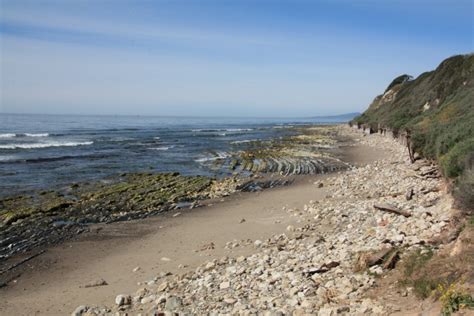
42	218
111	238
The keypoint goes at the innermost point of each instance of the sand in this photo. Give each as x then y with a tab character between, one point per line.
53	283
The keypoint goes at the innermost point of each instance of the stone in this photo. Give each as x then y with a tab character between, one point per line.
292	302
230	301
98	282
224	285
148	299
161	299
327	311
258	243
290	228
136	269
173	303
123	299
82	309
209	266
162	287
165	259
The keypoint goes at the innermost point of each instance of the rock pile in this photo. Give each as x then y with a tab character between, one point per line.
325	265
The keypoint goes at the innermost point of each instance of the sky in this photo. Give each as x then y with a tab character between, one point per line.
219	58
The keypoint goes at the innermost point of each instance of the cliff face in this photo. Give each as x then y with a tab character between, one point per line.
437	111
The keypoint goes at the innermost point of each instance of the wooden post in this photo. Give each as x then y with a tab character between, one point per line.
410	146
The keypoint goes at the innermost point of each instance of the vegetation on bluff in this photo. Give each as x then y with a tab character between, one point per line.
437	110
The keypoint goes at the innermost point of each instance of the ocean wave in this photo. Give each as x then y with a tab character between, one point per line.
283	126
232	130
11	135
7	135
45	145
243	141
35	134
157	137
162	147
219	156
18	160
239	129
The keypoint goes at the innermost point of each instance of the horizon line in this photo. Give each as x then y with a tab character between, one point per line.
186	116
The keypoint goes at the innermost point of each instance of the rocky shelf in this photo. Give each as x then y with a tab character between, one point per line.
311	151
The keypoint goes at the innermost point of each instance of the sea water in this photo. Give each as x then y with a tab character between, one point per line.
39	152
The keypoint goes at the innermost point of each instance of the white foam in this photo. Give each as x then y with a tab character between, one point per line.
223	130
156	137
239	129
7	135
161	148
36	135
283	126
244	141
44	145
219	156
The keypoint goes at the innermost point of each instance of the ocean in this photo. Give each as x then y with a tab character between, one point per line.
41	152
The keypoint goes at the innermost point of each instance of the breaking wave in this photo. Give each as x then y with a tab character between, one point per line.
45	145
11	135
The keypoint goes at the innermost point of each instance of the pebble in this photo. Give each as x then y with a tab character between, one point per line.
122	299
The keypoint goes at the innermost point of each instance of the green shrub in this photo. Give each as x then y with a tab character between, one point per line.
464	192
443	131
454	298
423	287
453	162
415	260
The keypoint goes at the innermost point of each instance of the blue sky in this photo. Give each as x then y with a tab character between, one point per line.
219	58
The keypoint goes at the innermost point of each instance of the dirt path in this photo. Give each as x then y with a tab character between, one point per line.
53	283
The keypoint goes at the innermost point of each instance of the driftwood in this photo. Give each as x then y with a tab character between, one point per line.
391	209
429	190
324	268
391	260
387	255
377	257
411	151
429	172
